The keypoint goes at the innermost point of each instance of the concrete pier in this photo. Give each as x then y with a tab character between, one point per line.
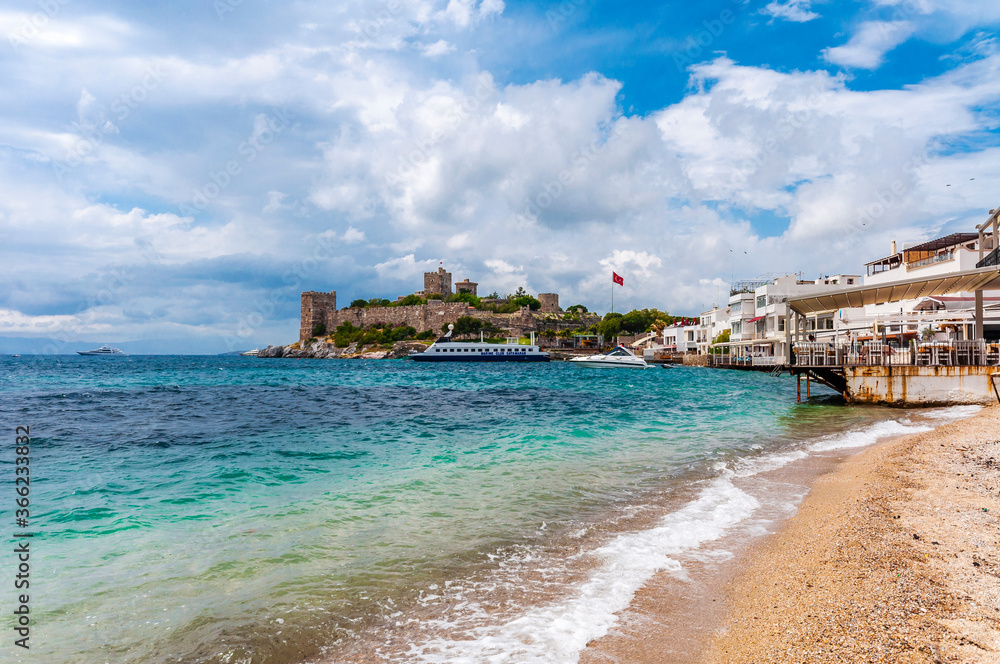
922	386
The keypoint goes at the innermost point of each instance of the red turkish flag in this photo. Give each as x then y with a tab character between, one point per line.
617	279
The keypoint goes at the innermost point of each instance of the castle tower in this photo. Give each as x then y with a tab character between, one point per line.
466	285
549	301
437	282
316	309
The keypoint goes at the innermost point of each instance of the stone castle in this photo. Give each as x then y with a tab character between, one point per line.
321	309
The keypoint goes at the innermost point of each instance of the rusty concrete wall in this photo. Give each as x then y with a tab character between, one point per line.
921	386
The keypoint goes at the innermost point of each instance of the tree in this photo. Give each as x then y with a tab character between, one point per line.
610	326
410	300
378	302
721	338
493	296
319	330
524	301
465	325
582	308
359	304
463	296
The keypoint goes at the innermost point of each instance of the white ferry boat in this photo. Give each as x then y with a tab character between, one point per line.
103	350
446	350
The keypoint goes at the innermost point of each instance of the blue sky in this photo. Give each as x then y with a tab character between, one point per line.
182	172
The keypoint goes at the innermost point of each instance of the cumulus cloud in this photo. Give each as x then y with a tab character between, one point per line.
867	47
438	48
392	163
797	11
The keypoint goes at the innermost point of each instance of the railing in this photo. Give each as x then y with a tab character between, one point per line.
937	258
744	361
918	353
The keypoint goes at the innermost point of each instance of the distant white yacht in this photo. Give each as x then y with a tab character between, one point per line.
103	350
250	353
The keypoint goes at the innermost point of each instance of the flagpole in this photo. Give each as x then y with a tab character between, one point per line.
612	294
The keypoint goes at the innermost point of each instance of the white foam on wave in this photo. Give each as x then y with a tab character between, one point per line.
866	436
952	413
556	633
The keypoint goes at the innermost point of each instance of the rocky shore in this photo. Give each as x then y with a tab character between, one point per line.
321	350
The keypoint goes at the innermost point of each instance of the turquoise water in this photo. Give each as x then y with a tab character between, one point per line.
219	509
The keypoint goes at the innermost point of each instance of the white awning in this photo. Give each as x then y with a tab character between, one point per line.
986	278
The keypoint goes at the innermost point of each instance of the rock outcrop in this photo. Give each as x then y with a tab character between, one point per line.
321	350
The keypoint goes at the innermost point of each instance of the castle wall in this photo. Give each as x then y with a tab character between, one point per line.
316	308
322	308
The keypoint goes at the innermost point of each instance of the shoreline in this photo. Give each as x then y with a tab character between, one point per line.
894	555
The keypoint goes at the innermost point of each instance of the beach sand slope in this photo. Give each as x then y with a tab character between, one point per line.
894	557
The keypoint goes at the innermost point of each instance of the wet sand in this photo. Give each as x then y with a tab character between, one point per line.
893	557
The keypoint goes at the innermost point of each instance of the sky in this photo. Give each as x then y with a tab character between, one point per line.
182	172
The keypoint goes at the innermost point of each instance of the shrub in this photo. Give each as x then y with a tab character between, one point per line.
464	296
409	301
319	330
426	334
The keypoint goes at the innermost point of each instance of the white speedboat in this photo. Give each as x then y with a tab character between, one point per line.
251	353
446	350
619	357
103	350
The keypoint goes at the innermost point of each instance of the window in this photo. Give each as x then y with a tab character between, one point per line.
761	301
850	281
781	325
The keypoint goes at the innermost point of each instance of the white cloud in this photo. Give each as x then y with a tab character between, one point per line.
867	47
797	11
438	48
352	235
405	269
546	184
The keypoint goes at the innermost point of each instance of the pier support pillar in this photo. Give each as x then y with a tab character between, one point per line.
798	387
980	330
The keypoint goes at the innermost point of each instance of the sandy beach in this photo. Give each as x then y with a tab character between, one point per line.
894	556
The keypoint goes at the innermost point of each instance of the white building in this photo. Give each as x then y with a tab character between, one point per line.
950	315
759	311
714	322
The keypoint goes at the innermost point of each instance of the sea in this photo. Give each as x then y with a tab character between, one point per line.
236	510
